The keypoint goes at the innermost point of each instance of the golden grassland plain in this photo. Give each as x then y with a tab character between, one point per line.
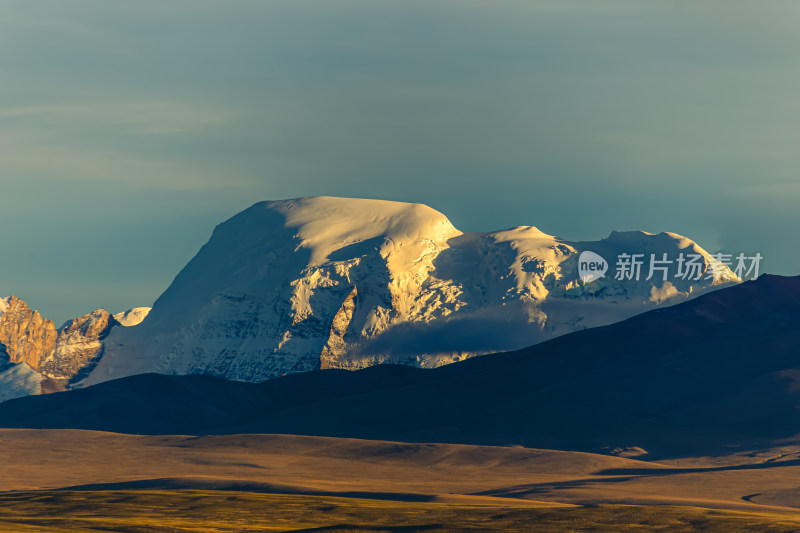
226	511
72	480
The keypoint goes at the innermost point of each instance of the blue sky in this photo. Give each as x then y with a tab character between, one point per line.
129	129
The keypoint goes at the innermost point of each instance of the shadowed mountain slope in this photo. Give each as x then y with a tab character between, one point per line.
721	372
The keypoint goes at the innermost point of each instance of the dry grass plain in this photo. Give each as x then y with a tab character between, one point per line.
226	511
71	480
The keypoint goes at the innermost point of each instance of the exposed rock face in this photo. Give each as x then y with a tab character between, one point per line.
58	354
336	341
79	344
27	336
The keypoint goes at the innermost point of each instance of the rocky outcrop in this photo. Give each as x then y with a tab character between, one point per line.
26	335
79	344
336	341
57	354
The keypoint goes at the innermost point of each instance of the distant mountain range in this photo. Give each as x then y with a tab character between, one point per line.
42	358
717	373
314	283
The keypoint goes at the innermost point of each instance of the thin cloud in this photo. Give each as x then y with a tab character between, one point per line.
143	116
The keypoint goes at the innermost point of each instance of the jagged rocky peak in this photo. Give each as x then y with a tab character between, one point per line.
297	285
54	355
90	325
79	344
26	335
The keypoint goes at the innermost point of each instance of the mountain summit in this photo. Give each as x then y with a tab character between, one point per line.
322	282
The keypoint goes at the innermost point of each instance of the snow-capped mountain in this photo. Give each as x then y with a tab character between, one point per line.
132	317
36	357
322	282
